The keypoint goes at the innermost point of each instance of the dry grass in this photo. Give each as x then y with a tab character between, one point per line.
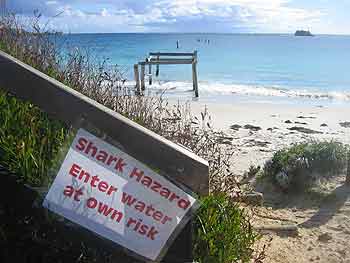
105	84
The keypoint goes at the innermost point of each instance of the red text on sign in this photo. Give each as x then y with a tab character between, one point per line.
88	148
142	229
104	209
94	181
157	187
70	191
149	210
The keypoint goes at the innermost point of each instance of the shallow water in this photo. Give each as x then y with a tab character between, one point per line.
262	66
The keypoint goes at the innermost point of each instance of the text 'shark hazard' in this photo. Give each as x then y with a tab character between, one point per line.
107	191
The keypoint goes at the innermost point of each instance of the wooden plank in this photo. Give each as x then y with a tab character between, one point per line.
143	87
69	106
157	69
195	80
347	180
150	74
170	54
167	62
291	230
137	78
194	75
188	60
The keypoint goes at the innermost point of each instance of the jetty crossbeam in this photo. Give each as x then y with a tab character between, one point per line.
163	58
154	61
177	54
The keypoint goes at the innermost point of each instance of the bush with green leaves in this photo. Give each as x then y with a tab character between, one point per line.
29	139
301	165
223	232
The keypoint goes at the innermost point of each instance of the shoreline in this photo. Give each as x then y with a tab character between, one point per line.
271	127
227	92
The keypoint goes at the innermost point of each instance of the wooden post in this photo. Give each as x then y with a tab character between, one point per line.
143	77
137	79
347	180
157	68
150	74
194	74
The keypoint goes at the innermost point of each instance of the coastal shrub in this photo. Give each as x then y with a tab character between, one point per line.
223	232
28	139
302	164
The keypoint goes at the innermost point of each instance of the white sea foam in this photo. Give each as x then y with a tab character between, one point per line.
211	89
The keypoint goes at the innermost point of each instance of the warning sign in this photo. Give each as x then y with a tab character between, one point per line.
116	196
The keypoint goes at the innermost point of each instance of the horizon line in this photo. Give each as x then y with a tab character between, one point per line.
212	33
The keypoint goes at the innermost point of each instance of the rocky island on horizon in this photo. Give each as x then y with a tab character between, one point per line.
304	33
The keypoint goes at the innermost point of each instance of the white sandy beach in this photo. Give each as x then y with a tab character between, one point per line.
255	147
323	227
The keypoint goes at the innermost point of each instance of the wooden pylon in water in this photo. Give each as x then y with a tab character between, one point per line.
347	180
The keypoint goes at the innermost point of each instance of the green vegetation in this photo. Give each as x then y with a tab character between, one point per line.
299	166
222	232
29	139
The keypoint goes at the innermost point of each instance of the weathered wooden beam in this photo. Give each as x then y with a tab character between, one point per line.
169	59
68	105
290	230
188	60
347	180
170	54
137	79
194	75
150	74
157	69
143	86
167	62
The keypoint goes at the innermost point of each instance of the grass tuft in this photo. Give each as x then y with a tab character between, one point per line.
29	139
222	232
300	166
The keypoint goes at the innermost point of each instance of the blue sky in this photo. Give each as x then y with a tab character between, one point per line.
231	16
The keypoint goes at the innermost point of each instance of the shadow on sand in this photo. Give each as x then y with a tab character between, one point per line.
329	207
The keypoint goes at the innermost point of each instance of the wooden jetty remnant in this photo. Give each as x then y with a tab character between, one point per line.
158	58
136	72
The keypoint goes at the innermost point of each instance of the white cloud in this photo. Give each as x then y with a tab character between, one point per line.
271	15
164	15
105	13
51	2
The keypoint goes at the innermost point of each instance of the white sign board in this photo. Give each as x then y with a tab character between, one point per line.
114	195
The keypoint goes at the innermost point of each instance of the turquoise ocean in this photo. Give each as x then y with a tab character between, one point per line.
231	67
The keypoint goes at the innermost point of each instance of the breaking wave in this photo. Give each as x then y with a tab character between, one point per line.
208	89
